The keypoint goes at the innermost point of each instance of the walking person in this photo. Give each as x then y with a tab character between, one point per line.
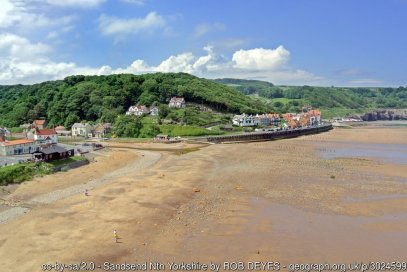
116	236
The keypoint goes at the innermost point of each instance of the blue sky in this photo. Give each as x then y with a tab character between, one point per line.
337	42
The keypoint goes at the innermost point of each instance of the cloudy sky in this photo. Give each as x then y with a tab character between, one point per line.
298	42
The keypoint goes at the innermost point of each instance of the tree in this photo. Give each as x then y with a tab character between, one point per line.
278	104
149	131
127	126
163	111
71	119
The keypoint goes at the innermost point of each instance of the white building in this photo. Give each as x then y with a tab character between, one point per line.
154	111
138	110
82	129
177	102
268	119
62	131
45	136
245	120
17	147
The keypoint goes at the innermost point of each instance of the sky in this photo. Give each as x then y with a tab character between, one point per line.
286	42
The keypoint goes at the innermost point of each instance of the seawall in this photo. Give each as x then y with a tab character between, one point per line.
267	136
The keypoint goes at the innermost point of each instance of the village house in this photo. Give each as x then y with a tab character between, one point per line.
244	120
177	102
82	129
62	131
40	124
45	136
51	153
268	119
292	119
16	147
310	118
102	129
315	117
154	111
138	110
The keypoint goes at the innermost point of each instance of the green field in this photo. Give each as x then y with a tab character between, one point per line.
177	130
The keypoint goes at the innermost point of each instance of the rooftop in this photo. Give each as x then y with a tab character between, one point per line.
80	125
45	131
39	122
52	149
18	142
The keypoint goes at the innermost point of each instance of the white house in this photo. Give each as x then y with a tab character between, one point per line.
137	110
315	117
62	131
154	111
45	136
268	119
177	102
245	120
16	147
82	129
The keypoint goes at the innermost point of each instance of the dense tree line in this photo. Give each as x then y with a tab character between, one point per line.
291	98
104	98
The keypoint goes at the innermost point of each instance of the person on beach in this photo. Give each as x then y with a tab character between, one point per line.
86	192
116	237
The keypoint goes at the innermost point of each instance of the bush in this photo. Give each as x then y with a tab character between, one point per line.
23	172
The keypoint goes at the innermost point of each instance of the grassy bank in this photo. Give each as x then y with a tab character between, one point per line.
18	173
23	172
177	130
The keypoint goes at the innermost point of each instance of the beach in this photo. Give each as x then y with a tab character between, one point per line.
315	198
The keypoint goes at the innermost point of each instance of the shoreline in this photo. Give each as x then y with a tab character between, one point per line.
245	201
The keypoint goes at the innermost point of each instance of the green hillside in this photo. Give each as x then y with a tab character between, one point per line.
103	98
333	101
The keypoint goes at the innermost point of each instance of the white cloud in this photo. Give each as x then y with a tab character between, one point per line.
17	13
27	15
179	63
16	47
113	26
203	29
22	61
213	65
76	3
260	58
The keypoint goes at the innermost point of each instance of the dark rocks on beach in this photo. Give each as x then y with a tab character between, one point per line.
385	115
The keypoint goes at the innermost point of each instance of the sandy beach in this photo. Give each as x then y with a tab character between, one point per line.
289	201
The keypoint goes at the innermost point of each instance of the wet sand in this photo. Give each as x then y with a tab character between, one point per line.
272	201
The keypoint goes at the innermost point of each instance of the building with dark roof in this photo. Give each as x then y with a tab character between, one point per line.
52	153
